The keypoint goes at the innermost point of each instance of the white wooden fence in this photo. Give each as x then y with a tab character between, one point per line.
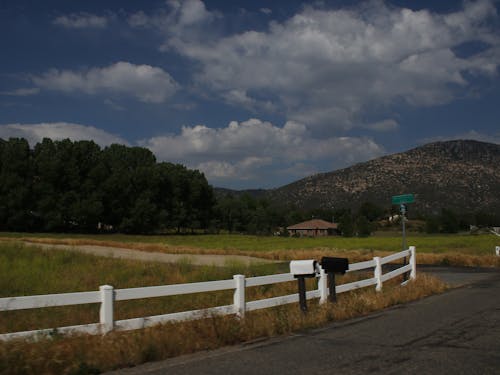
107	295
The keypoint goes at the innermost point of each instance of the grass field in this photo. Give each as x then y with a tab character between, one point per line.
30	271
383	241
454	249
27	271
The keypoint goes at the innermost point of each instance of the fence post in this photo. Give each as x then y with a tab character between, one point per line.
323	286
413	262
377	273
497	250
106	312
239	295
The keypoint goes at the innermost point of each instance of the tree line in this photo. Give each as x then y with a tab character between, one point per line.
65	186
247	214
77	186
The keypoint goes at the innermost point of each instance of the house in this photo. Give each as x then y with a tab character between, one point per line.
313	228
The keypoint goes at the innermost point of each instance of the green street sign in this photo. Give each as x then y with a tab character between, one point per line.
401	199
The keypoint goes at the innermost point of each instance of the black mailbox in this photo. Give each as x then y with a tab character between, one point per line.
335	265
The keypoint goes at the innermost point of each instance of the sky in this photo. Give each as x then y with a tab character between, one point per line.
255	94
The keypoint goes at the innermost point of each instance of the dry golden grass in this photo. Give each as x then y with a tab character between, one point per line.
85	354
31	319
459	259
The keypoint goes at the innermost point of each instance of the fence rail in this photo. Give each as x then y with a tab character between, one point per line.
107	295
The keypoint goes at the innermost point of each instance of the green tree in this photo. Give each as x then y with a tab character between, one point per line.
371	211
143	217
67	180
449	221
432	224
74	186
16	200
127	170
346	224
363	226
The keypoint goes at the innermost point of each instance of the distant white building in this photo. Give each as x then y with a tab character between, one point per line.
393	218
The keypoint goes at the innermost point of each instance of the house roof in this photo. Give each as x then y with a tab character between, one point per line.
313	224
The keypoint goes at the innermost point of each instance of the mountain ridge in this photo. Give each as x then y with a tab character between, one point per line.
463	175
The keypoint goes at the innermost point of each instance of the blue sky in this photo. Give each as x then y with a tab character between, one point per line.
255	94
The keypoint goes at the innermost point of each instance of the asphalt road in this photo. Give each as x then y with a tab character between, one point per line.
457	332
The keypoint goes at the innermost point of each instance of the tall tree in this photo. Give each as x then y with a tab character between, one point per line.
75	186
15	188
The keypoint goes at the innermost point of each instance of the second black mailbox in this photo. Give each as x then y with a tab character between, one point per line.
333	265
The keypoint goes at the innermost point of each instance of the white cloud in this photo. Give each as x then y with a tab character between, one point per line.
81	20
190	12
181	20
242	99
146	83
330	68
22	92
58	130
253	150
219	169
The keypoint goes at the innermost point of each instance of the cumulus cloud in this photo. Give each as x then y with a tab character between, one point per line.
330	67
146	83
257	151
180	21
34	133
81	20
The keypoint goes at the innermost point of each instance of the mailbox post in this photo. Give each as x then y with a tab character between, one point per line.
333	265
300	269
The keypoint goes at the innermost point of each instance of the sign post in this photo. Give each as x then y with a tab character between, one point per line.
402	200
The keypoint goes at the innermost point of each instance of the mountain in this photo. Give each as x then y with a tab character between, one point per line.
255	193
461	175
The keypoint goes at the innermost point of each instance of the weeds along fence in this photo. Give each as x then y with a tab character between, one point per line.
107	295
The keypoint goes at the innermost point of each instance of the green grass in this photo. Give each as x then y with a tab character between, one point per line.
25	270
480	244
462	243
32	271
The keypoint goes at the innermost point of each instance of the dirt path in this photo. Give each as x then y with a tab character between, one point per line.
123	253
